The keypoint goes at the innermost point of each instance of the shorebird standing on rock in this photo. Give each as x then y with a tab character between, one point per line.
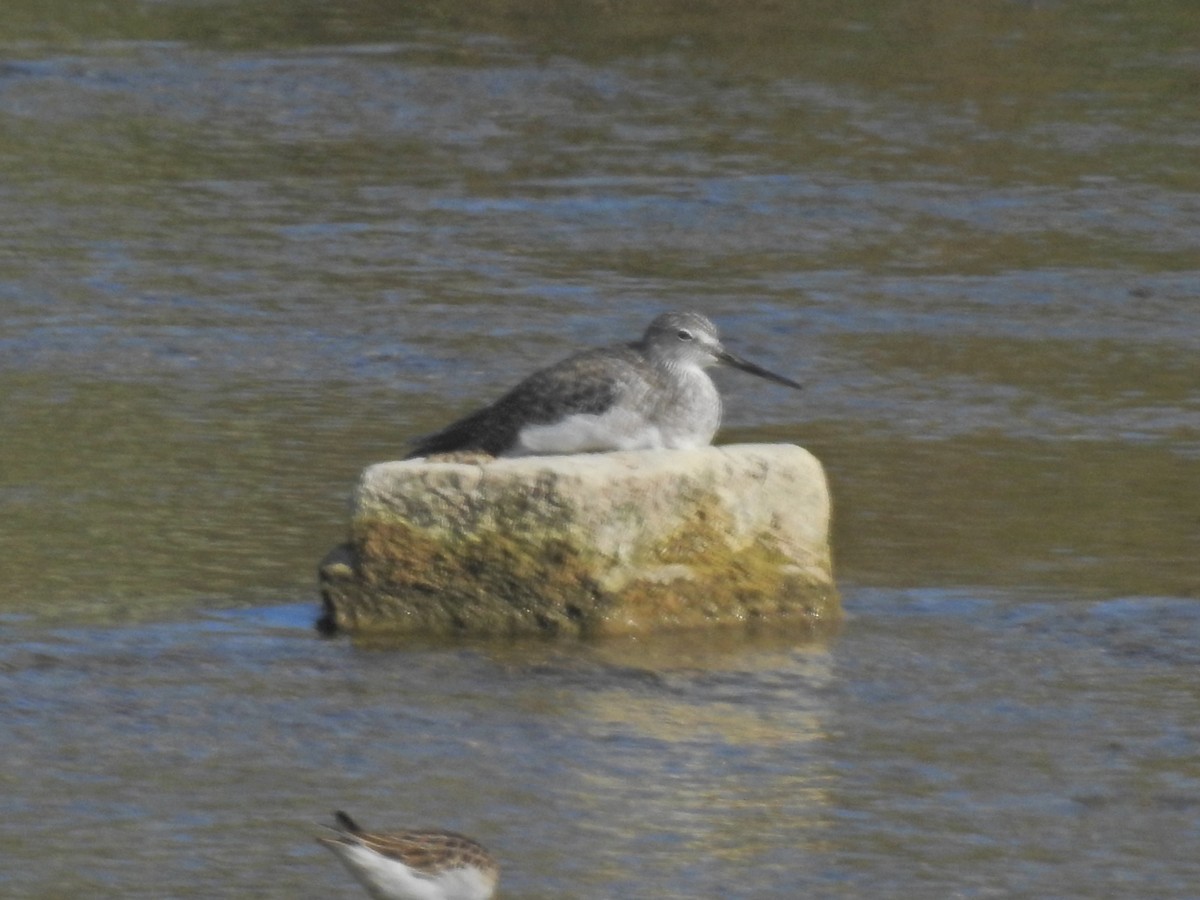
652	393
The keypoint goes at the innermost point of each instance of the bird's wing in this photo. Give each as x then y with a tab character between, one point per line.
581	384
478	431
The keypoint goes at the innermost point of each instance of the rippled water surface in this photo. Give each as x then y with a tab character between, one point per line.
249	248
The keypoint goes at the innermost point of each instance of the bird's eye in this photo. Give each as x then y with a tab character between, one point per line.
683	334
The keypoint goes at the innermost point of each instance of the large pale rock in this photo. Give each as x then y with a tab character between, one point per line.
586	544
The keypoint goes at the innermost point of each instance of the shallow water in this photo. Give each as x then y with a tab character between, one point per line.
248	249
945	743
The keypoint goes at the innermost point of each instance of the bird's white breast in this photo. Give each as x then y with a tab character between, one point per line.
681	412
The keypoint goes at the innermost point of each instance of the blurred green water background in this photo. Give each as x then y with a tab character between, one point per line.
248	248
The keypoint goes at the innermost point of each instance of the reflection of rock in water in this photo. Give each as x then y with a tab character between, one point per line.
735	725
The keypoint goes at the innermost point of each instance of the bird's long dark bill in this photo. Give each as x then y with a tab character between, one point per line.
738	363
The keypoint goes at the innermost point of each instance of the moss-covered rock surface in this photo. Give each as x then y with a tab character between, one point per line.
586	544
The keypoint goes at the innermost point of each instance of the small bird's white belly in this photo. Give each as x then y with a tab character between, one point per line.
386	879
390	879
586	433
681	420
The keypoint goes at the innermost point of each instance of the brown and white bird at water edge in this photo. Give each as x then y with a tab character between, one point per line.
414	865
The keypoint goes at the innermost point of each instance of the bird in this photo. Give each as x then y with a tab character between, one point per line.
414	865
649	394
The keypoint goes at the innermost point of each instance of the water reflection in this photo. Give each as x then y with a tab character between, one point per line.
897	757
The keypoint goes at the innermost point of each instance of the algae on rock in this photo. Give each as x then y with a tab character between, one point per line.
586	544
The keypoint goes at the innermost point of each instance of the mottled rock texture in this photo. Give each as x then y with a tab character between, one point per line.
603	543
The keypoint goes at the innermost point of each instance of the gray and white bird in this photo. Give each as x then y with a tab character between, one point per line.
652	393
414	865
